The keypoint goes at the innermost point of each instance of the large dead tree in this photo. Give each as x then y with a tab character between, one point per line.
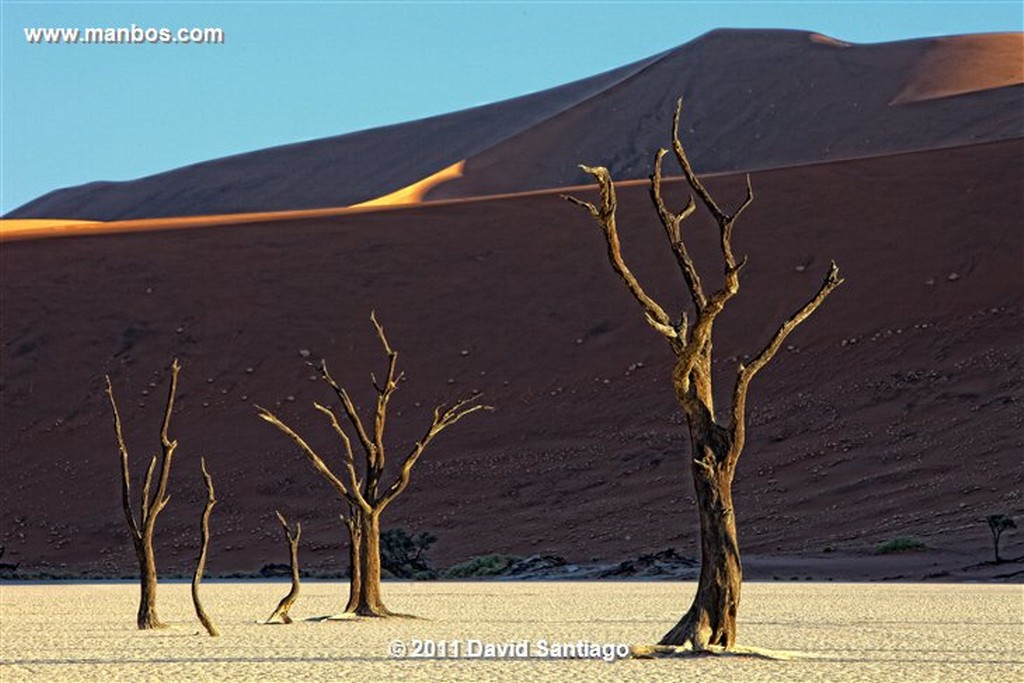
363	495
152	502
716	441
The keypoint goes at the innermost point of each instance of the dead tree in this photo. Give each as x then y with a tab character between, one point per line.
363	495
204	541
151	504
716	443
997	524
293	547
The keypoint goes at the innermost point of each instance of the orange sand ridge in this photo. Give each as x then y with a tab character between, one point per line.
39	228
414	194
964	64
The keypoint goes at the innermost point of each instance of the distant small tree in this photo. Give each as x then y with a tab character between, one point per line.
7	567
151	505
204	542
997	524
363	495
281	612
716	439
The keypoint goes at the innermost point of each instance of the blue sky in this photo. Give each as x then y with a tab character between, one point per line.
291	71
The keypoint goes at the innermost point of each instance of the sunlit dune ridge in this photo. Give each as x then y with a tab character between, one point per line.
960	65
415	193
15	228
39	228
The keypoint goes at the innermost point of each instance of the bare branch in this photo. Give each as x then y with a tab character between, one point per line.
586	205
350	411
168	446
605	218
126	484
356	494
294	538
383	396
443	418
747	201
724	220
691	177
146	504
307	450
671	222
746	373
164	439
210	497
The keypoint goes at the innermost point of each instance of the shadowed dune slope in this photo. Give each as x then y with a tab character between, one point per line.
755	99
896	411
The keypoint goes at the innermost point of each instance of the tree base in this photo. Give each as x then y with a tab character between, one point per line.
275	618
356	616
667	651
151	624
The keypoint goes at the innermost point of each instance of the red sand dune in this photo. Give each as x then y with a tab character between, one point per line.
896	413
755	100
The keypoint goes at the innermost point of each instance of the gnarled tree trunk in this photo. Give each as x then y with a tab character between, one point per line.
366	573
146	617
711	619
353	522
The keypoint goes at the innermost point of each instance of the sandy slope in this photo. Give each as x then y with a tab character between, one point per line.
839	632
755	99
896	413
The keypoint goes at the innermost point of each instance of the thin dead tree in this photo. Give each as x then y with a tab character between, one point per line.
293	554
204	542
365	496
151	504
716	443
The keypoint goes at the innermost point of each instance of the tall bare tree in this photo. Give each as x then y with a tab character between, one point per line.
364	497
716	441
151	504
204	542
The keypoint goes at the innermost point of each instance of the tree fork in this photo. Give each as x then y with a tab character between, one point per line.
204	542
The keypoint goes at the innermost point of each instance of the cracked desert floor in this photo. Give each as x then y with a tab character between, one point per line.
835	632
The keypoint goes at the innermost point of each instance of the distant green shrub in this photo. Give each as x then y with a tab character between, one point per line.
482	565
401	554
899	545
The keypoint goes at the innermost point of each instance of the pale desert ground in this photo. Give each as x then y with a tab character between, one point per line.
834	632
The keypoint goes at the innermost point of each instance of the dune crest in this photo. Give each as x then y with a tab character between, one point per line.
822	39
960	65
18	228
416	192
